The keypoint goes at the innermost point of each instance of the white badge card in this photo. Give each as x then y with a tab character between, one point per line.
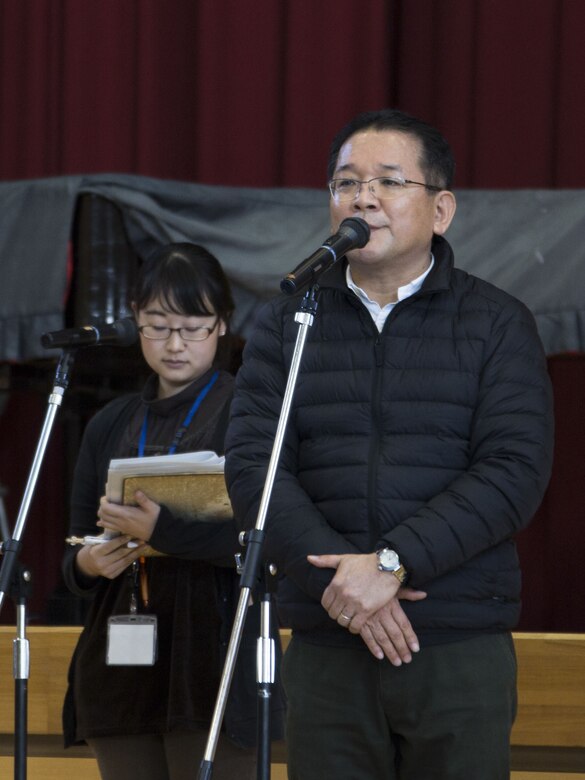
131	640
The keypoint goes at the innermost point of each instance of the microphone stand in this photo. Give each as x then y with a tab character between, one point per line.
250	574
21	666
9	569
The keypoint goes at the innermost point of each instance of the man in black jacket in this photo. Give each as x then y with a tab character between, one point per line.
419	444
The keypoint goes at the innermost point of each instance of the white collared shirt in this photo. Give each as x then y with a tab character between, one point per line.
379	313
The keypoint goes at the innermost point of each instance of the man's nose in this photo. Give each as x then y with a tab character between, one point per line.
366	197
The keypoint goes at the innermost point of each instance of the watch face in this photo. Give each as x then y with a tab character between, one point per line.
388	559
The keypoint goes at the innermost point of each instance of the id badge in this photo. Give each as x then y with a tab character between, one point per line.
131	640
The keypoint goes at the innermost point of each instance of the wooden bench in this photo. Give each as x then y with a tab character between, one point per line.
548	740
549	732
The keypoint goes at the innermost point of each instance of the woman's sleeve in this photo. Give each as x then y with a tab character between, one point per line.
202	540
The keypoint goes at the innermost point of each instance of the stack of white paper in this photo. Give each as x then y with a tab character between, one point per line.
204	462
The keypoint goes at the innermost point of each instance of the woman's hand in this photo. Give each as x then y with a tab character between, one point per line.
135	521
108	559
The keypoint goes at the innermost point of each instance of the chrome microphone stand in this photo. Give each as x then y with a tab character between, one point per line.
265	663
15	579
21	668
11	548
254	541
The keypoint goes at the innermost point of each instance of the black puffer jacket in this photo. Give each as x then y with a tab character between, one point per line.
433	437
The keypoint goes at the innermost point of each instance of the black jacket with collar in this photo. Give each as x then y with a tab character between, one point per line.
434	437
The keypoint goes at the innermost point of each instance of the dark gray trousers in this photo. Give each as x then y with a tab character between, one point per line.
445	716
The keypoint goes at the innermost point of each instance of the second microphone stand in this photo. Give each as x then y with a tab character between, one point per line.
251	573
14	579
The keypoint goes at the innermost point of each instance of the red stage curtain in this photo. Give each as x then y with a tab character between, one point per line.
226	92
551	549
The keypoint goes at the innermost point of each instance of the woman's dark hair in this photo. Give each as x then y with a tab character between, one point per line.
187	279
436	161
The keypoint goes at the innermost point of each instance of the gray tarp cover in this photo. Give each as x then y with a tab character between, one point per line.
528	242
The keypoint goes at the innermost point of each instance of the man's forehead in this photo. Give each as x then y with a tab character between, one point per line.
388	150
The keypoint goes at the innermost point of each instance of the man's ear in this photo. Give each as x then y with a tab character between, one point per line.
445	207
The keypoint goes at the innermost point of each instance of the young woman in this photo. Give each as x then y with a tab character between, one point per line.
152	721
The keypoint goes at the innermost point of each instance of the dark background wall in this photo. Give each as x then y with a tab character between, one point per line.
249	93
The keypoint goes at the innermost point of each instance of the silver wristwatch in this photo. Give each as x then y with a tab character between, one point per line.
388	560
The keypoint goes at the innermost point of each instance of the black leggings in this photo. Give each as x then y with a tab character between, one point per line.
169	757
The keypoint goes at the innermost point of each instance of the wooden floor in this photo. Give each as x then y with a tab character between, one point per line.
53	768
546	776
86	769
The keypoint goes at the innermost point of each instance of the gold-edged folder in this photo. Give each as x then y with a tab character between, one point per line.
191	485
199	497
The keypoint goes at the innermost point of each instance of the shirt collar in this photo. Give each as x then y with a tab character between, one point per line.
379	313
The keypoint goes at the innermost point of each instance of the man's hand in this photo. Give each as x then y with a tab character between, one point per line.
135	521
388	631
358	588
364	600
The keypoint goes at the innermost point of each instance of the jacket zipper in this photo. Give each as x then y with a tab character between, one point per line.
374	452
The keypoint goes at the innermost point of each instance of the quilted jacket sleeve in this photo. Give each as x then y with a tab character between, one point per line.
510	458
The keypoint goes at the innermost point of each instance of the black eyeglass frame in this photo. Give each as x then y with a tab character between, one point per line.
169	332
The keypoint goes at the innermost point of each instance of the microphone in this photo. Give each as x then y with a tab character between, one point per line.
121	333
353	233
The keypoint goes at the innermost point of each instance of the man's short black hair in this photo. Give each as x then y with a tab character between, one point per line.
436	162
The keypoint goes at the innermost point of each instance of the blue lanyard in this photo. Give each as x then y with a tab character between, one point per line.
181	430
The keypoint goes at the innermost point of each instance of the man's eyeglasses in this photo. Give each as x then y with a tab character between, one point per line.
382	187
162	333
